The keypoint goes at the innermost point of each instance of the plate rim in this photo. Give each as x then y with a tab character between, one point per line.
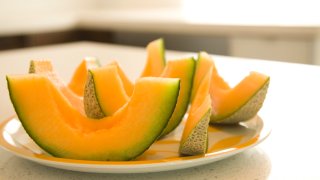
127	167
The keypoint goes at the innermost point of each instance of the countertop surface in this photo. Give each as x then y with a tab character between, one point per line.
291	108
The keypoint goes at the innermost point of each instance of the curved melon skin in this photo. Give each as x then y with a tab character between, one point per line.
246	111
197	141
156	61
104	92
92	106
184	70
123	136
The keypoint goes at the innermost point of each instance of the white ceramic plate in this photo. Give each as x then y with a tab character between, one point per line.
224	141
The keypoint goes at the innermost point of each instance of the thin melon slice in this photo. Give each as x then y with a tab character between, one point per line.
241	103
63	132
44	67
203	65
79	77
184	70
104	92
194	139
156	59
127	84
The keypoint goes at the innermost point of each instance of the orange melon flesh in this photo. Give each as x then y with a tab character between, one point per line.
64	132
156	59
79	77
227	100
240	103
108	89
184	70
204	64
127	84
194	139
45	68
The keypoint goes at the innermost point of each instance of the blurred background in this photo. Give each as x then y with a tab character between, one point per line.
274	30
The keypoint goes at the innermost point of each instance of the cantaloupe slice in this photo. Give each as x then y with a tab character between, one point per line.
62	131
194	139
44	67
156	59
79	77
203	66
184	70
241	103
104	92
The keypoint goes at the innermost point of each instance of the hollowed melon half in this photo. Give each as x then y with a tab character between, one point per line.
44	67
155	59
54	125
78	80
104	92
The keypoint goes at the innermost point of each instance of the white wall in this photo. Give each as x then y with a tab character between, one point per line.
298	50
138	3
33	16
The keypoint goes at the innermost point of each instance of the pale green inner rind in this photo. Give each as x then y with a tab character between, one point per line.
245	112
197	141
91	103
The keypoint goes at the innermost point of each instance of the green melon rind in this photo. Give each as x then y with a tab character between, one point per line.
197	141
129	154
182	107
91	103
196	69
21	116
155	131
162	49
167	112
247	111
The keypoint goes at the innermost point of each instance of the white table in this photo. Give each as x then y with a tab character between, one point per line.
291	107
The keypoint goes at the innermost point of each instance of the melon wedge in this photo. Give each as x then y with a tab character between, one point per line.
44	67
104	92
184	70
194	139
155	59
62	131
79	77
203	66
241	103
